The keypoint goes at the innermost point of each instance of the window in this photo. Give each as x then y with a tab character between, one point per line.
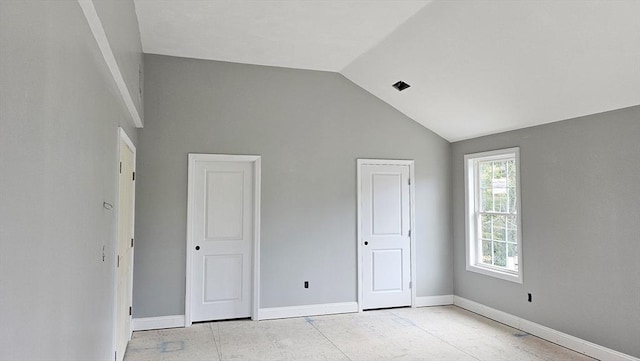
494	236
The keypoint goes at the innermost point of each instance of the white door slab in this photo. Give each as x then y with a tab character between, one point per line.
384	234
124	257
221	238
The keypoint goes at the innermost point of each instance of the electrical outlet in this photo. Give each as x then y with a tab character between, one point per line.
529	297
306	284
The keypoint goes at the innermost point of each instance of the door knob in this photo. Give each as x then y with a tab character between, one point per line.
366	243
197	248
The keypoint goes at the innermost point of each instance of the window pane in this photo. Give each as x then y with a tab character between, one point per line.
485	173
501	202
511	173
500	254
486	226
512	229
512	200
512	250
486	252
499	233
486	200
499	170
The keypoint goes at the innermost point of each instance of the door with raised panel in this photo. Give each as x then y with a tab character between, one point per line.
221	238
385	220
124	257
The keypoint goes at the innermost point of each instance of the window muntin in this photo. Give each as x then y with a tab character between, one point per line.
492	205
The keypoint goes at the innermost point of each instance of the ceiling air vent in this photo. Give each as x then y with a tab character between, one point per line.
401	85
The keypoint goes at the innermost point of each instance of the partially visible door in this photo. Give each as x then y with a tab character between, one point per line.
385	221
221	222
124	258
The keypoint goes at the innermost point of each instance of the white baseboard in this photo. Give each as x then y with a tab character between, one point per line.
577	344
434	301
156	323
307	310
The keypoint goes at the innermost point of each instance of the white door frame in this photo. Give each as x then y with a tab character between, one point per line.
360	253
255	159
122	138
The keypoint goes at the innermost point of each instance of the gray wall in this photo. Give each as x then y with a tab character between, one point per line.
580	182
309	127
59	115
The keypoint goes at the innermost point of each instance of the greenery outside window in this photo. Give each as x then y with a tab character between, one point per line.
492	205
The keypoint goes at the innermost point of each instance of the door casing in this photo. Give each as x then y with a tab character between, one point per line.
255	160
360	250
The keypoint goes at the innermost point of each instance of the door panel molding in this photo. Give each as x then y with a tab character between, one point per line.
412	227
255	160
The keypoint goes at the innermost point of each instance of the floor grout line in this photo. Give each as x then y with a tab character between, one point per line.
312	323
220	341
215	342
431	334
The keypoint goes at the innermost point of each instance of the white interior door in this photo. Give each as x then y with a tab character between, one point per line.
385	242
124	257
221	222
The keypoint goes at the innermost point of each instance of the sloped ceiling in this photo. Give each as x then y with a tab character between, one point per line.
475	67
305	34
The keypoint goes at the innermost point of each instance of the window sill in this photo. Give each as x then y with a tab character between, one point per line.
507	276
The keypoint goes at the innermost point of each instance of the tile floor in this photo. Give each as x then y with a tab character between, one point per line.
429	333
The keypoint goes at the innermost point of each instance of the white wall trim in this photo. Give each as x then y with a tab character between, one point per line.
157	323
434	301
256	160
471	205
571	342
257	176
412	210
307	310
103	43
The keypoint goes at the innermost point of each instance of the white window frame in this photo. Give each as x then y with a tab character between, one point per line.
472	202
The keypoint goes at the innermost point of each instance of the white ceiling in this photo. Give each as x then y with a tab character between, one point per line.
304	34
482	67
475	67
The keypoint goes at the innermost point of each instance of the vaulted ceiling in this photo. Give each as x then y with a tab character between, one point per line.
475	67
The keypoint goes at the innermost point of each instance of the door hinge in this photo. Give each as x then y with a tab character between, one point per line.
115	355
410	284
129	310
409	181
131	242
120	167
118	262
134	175
409	233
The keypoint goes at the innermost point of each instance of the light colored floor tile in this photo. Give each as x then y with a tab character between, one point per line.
193	343
288	339
430	333
381	335
485	338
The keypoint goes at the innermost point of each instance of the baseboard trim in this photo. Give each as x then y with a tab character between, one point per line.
307	310
434	301
571	342
156	323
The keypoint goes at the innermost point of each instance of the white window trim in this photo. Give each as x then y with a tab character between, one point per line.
470	219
